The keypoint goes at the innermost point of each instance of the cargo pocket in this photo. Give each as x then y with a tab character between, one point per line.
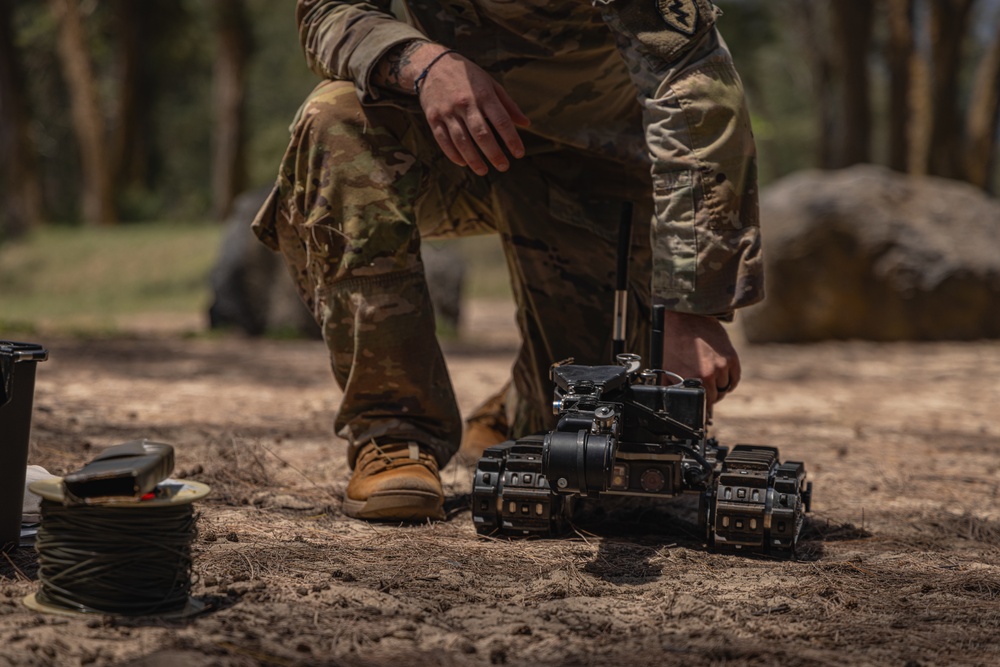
673	238
718	127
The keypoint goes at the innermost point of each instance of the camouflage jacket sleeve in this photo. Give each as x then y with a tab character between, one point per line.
345	39
705	234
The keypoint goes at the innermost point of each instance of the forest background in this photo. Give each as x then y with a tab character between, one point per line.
124	111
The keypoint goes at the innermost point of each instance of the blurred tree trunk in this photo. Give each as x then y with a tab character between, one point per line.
984	118
130	145
811	25
88	121
233	45
19	174
899	58
851	27
948	19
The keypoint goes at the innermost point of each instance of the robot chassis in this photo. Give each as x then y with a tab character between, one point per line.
620	433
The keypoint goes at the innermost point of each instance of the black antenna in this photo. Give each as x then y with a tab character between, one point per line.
656	337
621	281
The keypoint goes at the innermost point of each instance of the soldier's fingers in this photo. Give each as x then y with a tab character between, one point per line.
506	119
712	393
511	106
735	372
466	146
486	141
443	138
715	390
726	378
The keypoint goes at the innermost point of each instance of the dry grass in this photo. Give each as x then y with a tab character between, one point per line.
899	563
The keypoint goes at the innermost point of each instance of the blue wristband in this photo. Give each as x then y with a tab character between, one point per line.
423	75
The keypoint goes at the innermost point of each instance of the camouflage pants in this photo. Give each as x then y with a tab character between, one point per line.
357	190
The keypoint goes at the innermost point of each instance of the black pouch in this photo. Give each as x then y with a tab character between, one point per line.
129	470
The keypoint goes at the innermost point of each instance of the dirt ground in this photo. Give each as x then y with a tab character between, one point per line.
900	562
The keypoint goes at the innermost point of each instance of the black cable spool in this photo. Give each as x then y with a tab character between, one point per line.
128	557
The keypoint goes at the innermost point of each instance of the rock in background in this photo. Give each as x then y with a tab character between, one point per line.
868	253
254	293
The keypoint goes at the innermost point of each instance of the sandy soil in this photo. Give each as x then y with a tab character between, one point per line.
900	563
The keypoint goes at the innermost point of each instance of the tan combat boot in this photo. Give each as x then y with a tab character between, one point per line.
485	427
394	482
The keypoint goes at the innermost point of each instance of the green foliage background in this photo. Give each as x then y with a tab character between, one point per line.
776	81
96	280
178	68
178	74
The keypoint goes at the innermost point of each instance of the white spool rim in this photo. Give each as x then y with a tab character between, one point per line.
52	489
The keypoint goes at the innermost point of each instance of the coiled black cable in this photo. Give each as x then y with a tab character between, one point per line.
129	561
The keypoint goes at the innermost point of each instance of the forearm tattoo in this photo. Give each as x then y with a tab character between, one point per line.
392	65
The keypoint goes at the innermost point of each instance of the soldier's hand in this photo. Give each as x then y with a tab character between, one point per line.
695	346
471	115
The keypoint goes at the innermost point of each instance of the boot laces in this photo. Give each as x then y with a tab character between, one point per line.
395	456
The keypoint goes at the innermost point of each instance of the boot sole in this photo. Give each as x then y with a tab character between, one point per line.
396	506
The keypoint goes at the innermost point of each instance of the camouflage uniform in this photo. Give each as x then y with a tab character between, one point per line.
626	99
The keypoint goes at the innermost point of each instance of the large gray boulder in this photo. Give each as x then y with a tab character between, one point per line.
252	289
871	254
254	293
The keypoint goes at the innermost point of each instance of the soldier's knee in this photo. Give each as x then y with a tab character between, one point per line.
332	110
365	138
